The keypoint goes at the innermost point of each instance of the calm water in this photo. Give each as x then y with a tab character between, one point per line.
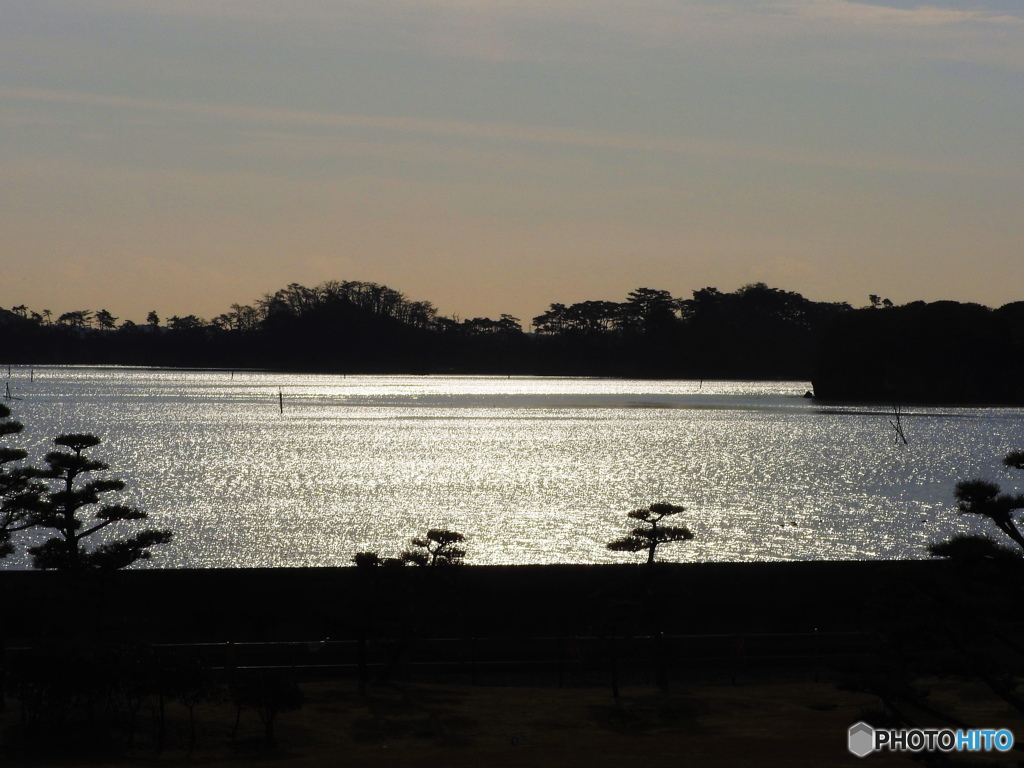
532	470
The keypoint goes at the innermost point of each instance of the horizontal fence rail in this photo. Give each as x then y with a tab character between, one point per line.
570	660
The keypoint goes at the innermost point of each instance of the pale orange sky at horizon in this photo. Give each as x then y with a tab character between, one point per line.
182	156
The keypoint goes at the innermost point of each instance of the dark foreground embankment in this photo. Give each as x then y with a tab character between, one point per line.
216	605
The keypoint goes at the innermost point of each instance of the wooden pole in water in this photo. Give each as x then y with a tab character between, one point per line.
280	400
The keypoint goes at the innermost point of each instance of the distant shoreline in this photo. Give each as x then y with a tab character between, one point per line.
806	383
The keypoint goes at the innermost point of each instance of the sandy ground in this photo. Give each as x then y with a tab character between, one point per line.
767	724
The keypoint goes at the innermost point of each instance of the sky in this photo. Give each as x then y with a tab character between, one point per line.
495	156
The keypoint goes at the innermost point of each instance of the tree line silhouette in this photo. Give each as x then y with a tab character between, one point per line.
916	352
363	327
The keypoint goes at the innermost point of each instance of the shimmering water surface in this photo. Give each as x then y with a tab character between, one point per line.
532	470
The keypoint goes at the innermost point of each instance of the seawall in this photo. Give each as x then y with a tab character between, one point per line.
215	605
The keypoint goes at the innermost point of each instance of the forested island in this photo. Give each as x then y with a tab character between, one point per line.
918	352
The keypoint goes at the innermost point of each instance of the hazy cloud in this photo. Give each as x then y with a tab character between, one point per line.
577	31
875	14
248	116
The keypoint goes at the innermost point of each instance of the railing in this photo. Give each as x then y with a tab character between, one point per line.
572	660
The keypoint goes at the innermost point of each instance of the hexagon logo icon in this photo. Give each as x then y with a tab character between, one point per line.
861	739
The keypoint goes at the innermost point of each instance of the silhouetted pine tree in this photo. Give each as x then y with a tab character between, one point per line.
436	548
986	499
650	535
19	488
65	507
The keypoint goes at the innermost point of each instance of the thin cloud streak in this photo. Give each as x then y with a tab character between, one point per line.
580	30
849	12
694	147
320	11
